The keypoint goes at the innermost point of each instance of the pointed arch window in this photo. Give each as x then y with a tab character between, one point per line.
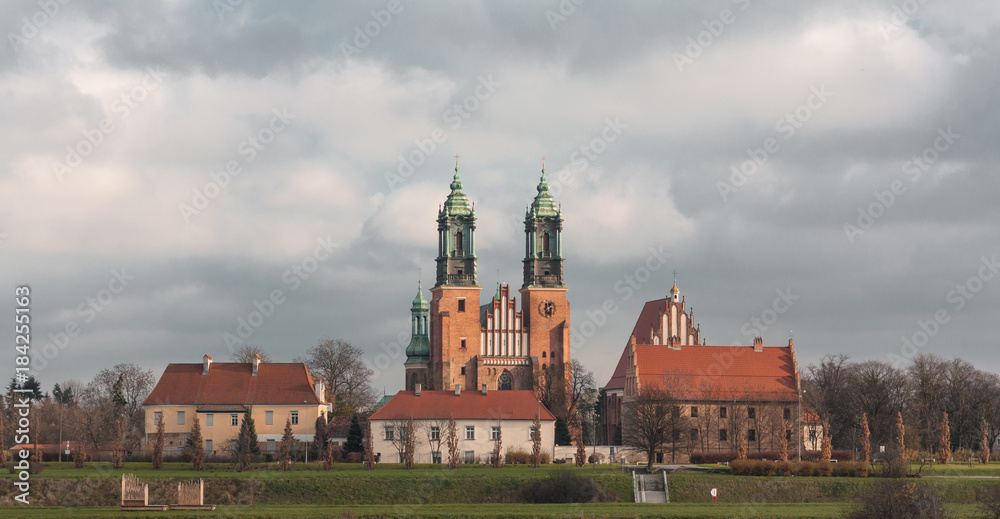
505	382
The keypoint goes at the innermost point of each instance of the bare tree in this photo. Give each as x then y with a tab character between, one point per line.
245	354
944	443
497	444
581	384
348	380
536	440
646	422
116	394
549	385
395	433
866	440
434	430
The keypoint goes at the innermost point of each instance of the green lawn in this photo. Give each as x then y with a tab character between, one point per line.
707	511
64	470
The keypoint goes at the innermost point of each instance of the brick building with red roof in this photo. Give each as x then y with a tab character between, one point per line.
479	417
721	394
220	393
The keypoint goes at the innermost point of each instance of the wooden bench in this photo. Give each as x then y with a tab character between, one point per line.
191	496
135	495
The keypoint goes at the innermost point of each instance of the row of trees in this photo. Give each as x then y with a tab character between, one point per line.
842	392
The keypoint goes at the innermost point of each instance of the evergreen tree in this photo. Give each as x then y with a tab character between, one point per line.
355	437
285	451
866	439
158	446
319	438
944	442
562	433
197	446
246	444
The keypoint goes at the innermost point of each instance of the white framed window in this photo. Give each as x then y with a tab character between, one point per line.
531	432
436	457
157	416
470	457
470	432
268	417
494	432
234	419
208	447
390	433
180	417
435	433
210	419
295	417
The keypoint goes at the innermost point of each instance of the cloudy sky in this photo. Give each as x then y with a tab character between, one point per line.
173	172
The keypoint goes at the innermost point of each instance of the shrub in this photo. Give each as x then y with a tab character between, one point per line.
896	498
768	468
989	501
824	468
741	467
517	457
564	487
784	468
806	468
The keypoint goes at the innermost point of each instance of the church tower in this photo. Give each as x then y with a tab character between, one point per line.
455	328
543	293
418	353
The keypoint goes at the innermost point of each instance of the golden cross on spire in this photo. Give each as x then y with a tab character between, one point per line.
456	160
543	162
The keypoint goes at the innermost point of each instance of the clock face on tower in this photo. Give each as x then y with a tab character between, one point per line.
547	308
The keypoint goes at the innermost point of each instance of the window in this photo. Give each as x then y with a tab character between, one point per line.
157	416
494	432
788	413
458	241
694	411
531	432
390	433
722	412
436	435
675	412
470	457
812	435
209	419
234	419
463	343
752	435
723	435
268	417
463	370
543	354
461	304
295	417
751	413
270	446
788	435
208	447
180	417
436	457
470	432
694	435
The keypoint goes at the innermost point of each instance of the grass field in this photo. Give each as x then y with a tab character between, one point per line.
610	510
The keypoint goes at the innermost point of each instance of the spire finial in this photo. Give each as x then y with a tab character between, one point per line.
457	156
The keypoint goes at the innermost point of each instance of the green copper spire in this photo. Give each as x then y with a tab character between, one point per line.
457	204
419	349
544	204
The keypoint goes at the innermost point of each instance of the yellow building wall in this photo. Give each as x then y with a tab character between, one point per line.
222	431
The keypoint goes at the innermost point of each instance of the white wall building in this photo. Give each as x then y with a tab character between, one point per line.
479	416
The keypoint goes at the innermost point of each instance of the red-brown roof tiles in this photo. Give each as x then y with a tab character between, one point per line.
647	320
233	383
720	372
470	405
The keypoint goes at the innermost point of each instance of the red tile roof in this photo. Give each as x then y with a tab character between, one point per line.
720	372
233	383
470	405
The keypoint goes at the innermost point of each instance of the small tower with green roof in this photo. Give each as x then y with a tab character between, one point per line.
456	259
543	260
418	353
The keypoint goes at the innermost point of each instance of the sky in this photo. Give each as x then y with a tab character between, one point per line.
180	177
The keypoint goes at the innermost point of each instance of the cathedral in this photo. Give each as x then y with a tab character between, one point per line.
460	342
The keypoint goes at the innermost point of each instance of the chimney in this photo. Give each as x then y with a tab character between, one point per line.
484	389
758	344
458	390
206	362
320	389
416	389
256	363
